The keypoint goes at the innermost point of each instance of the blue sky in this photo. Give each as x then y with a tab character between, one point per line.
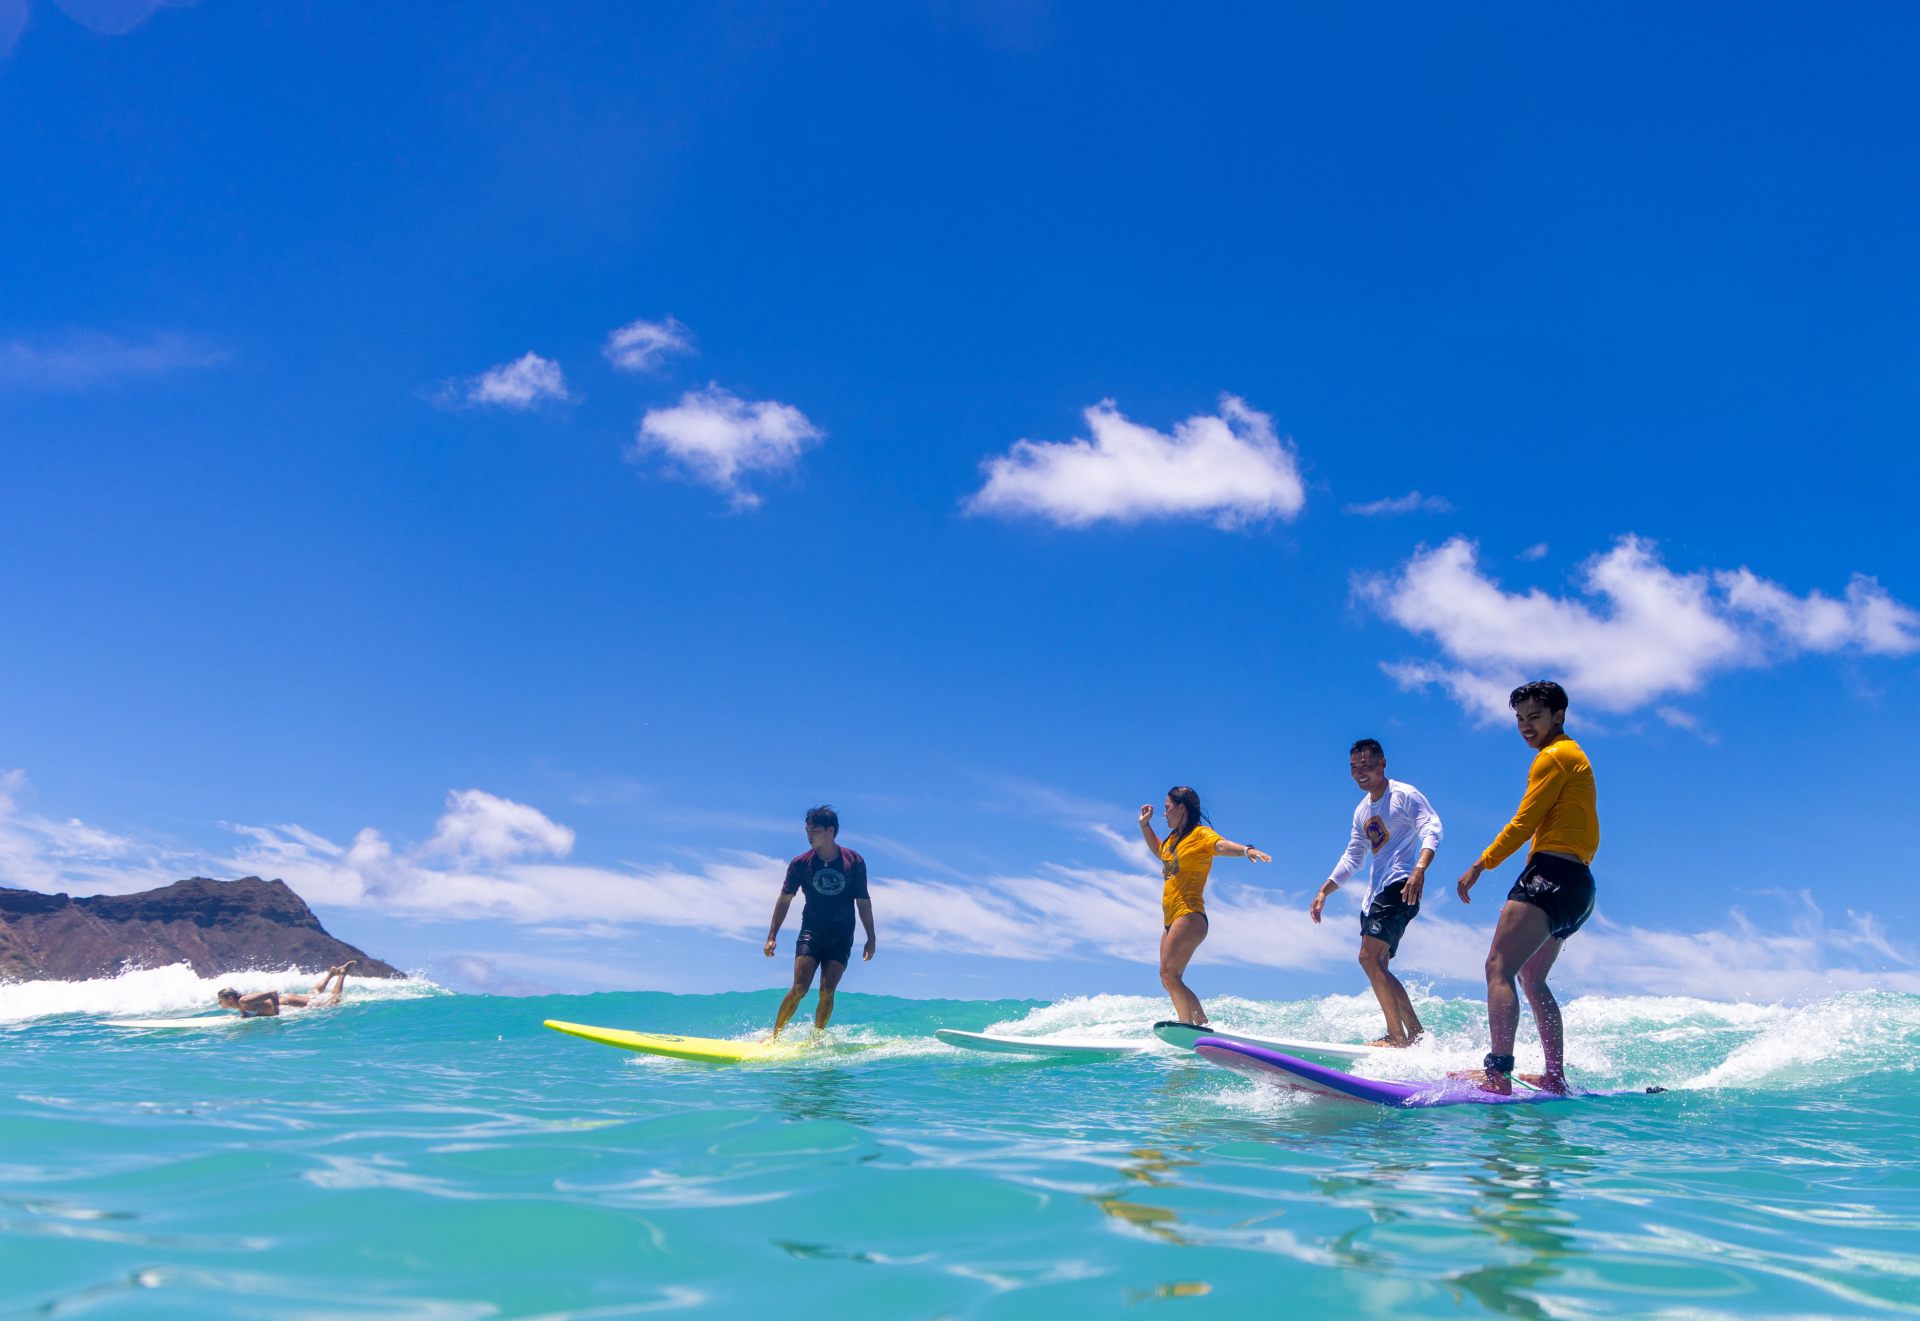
496	466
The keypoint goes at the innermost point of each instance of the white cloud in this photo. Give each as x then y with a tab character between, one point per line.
1537	551
1411	502
718	439
1866	620
640	346
1741	961
479	826
91	358
1678	718
1230	467
524	383
1060	912
1645	632
46	854
491	858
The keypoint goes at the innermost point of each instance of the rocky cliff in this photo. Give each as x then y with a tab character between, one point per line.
217	926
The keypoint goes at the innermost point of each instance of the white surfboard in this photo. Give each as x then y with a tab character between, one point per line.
1337	1053
205	1020
1085	1048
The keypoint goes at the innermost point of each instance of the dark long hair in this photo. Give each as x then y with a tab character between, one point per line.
1190	800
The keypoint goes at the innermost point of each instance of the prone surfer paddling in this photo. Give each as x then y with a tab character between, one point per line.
1186	857
1392	821
1553	897
835	880
268	1004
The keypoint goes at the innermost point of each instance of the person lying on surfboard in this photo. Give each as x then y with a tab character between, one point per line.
835	881
268	1004
1553	897
1185	858
1393	820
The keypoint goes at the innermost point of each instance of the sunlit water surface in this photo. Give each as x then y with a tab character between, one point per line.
414	1153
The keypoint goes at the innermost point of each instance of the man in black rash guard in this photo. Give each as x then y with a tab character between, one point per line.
835	880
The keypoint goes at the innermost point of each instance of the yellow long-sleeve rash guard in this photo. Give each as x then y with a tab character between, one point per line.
1559	811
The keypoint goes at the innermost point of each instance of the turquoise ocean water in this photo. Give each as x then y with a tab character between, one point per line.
415	1153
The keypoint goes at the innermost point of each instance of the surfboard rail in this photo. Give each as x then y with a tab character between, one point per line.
1306	1076
1000	1043
704	1050
1184	1035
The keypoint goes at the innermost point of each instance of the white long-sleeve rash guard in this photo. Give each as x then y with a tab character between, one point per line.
1394	830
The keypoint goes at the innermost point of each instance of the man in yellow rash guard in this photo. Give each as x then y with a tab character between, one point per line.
1553	897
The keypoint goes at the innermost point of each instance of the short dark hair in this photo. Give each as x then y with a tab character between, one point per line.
1544	691
825	817
226	993
1370	746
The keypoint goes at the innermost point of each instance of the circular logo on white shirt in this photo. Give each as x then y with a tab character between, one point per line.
828	882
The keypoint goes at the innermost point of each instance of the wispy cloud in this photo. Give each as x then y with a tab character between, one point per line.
509	972
490	859
718	439
641	346
527	382
1410	503
13	21
1056	912
116	18
1537	551
85	359
1741	960
44	853
1230	467
1644	632
113	18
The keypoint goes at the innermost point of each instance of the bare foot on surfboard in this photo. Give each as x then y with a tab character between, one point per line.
1497	1083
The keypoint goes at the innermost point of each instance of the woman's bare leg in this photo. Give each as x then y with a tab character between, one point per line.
1177	945
340	981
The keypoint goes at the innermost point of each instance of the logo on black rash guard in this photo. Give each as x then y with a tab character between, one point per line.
827	882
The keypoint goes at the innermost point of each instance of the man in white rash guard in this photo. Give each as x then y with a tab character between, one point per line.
1392	821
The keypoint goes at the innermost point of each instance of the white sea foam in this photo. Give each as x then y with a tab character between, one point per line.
1095	1017
1859	1032
1676	1041
153	992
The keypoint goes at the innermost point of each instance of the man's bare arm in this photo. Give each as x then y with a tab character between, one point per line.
780	907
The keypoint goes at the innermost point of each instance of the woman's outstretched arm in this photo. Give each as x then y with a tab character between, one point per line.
1146	830
1226	848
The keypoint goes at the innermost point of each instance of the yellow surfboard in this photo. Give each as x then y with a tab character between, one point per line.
710	1050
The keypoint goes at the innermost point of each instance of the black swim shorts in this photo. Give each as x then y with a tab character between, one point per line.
1559	887
826	946
1387	916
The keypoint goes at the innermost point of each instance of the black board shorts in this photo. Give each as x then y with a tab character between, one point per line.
1559	887
826	946
1387	916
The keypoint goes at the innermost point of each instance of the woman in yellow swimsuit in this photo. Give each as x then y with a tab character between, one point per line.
1185	857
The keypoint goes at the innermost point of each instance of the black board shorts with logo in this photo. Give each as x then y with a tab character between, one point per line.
1387	916
826	946
1559	887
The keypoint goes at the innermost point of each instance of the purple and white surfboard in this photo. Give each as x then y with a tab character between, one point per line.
1307	1076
